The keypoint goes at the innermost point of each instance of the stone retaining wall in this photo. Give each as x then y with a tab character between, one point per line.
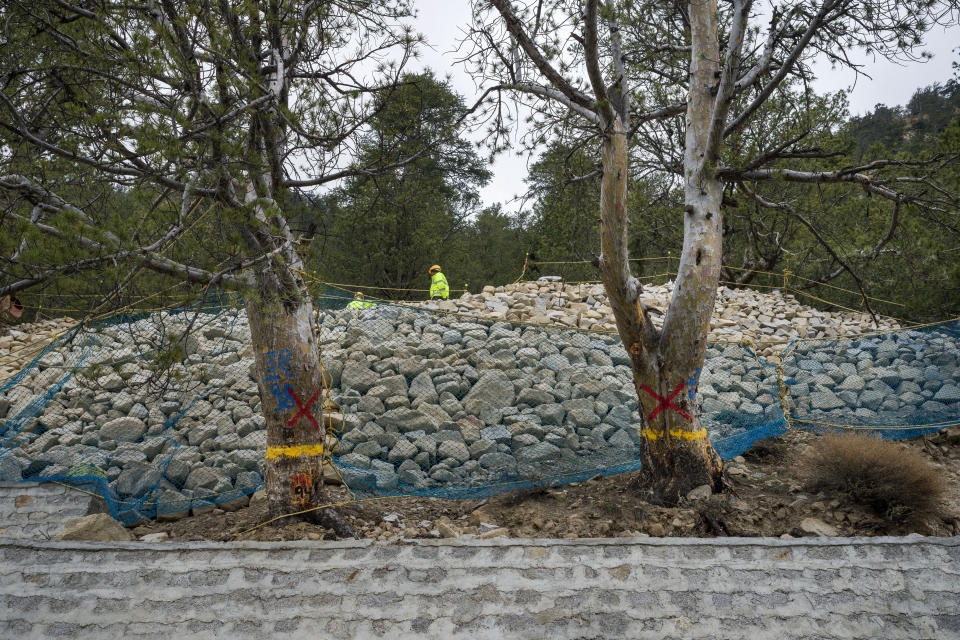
35	511
586	589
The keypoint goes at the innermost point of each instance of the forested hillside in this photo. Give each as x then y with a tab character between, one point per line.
384	231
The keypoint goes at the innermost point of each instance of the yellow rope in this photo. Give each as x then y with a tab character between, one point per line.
945	423
591	262
787	274
331	505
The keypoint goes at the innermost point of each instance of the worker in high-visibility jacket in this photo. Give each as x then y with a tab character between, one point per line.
360	302
439	289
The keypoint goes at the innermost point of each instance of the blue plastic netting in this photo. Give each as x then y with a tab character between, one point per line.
435	404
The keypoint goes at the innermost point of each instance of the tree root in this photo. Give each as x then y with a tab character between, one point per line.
331	519
664	482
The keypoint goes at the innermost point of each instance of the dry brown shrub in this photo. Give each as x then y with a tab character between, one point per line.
891	479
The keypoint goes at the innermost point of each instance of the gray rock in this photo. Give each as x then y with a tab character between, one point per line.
825	400
413	477
110	382
198	434
248	480
601	432
123	402
539	452
10	469
555	362
852	383
206	481
139	411
445	435
598	358
534	397
406	420
910	398
751	408
387	480
422	385
619	416
524	440
153	446
621	440
817	527
871	399
241	412
452	449
136	480
498	462
619	356
124	429
401	451
369	448
888	376
948	393
451	337
583	417
443	475
412	367
932	374
371	404
358	377
172	505
481	447
97	527
392	386
497	434
395	402
932	406
702	492
551	413
355	460
436	414
493	390
177	472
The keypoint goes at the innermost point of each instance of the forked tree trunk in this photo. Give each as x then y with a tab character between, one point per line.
675	449
289	378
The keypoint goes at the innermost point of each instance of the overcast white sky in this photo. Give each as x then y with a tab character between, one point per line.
440	21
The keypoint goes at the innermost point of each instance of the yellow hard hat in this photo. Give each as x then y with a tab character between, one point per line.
435	267
358	294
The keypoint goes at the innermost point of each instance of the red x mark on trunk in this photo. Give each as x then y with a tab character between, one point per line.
304	409
666	402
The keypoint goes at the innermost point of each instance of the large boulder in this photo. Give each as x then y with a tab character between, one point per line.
389	386
494	390
359	377
534	397
97	527
405	420
124	429
10	469
422	386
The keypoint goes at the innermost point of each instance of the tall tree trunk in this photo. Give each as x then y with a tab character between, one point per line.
289	378
676	450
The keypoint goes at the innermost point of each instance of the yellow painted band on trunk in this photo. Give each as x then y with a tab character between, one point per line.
296	451
650	434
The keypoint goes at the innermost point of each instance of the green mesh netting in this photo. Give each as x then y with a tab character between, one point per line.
435	404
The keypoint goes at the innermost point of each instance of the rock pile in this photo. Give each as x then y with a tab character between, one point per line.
430	401
24	342
771	319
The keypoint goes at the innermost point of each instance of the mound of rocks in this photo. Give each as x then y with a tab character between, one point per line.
19	345
430	401
906	378
770	319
